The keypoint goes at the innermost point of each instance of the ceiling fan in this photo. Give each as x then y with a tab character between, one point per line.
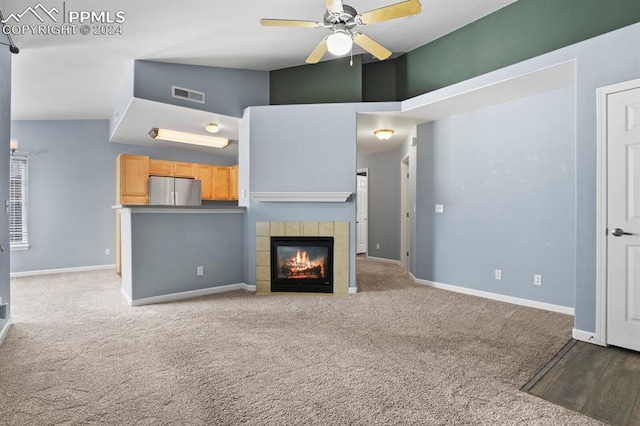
342	21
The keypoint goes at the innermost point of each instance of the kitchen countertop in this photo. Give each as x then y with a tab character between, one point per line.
179	209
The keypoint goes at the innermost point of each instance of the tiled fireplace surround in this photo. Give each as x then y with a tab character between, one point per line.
338	230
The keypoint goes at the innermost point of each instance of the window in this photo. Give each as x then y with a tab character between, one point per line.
18	203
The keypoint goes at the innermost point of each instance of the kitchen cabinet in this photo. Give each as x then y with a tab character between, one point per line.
233	182
220	182
132	187
132	175
160	167
204	172
184	170
172	168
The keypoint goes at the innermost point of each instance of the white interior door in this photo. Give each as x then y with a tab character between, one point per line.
623	219
362	208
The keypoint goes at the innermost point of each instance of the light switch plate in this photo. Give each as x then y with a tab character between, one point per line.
439	208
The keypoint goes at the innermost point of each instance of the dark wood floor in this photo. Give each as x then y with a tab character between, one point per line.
603	383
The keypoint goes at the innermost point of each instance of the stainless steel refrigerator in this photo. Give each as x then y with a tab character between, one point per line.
168	191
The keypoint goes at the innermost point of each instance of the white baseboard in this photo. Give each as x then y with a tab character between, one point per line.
61	270
353	290
126	296
187	294
586	336
385	260
495	296
5	330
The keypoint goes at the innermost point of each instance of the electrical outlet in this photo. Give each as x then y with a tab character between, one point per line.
200	271
537	279
107	252
378	246
498	274
439	208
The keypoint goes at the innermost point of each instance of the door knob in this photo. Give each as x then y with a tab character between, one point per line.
617	232
1	248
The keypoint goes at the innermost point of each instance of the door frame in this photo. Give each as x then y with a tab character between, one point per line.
363	172
602	93
404	223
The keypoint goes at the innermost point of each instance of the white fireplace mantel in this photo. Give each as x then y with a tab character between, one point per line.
301	197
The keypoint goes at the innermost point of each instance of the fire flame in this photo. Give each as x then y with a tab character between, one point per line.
301	263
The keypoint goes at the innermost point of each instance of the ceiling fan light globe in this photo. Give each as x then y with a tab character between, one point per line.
339	43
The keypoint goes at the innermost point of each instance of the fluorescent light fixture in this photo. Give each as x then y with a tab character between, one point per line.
339	42
384	134
190	138
212	128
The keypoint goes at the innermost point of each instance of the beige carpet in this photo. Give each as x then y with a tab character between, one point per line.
77	354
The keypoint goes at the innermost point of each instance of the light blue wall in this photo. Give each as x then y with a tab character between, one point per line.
505	175
168	247
302	148
384	202
72	189
600	61
5	134
228	91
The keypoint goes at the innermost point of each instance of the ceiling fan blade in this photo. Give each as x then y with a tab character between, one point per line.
371	46
317	54
398	10
290	23
334	6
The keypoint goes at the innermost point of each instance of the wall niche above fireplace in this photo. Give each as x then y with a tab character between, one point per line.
302	264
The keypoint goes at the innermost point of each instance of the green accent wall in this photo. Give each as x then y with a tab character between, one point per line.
520	31
379	81
324	82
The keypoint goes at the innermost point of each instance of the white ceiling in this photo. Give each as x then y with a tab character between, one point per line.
79	77
142	115
74	77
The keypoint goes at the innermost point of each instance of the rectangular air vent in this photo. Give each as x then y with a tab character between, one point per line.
187	94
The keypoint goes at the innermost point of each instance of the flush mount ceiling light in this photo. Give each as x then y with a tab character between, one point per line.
339	42
384	134
190	138
212	128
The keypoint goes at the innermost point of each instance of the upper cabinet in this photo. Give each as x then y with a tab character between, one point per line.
186	170
172	168
204	172
233	182
220	182
132	179
160	168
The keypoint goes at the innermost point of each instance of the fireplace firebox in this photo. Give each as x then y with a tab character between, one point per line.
302	264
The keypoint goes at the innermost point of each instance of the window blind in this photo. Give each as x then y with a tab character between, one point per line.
18	183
